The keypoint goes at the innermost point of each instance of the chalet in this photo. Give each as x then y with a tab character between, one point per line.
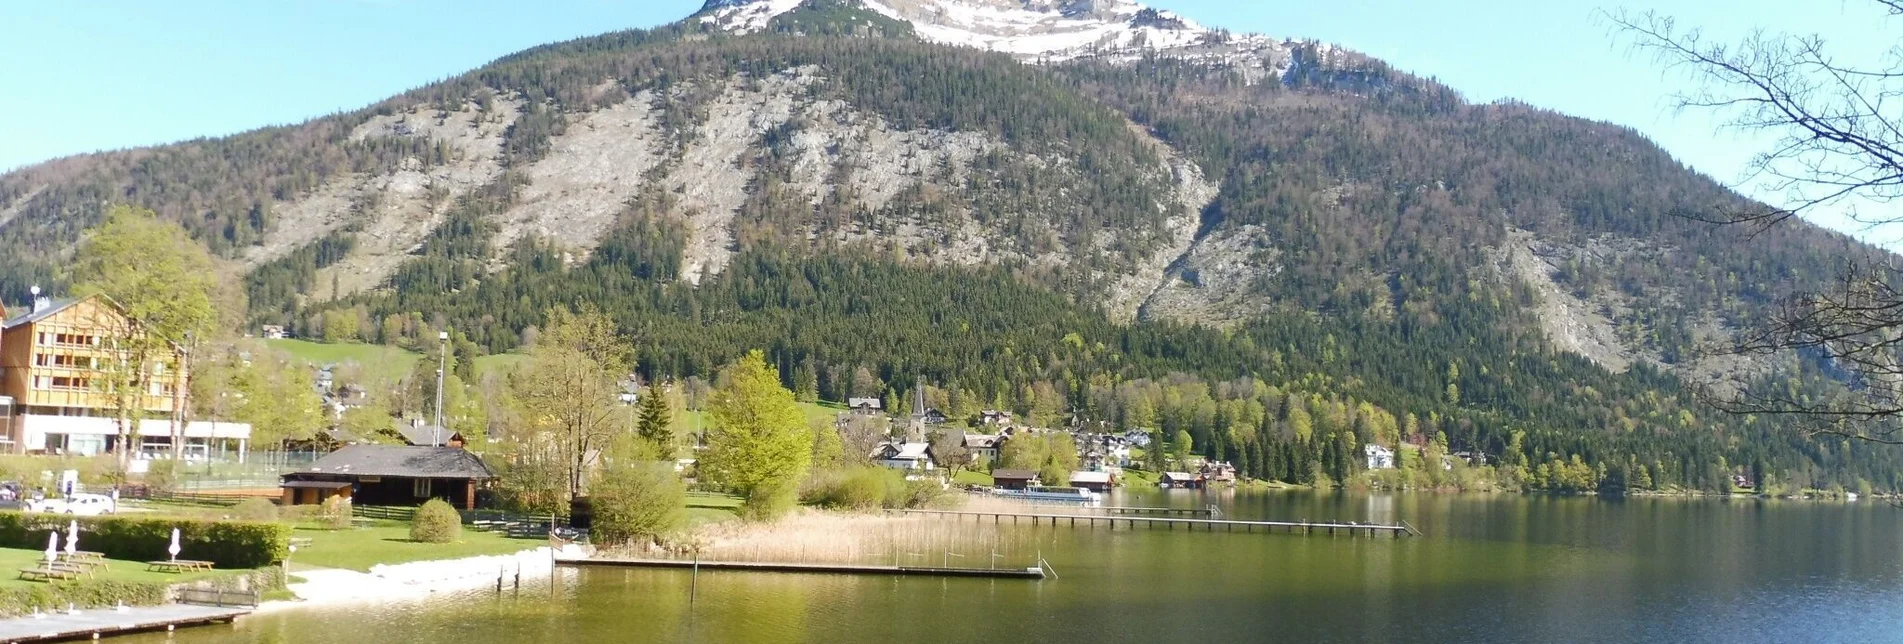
630	391
53	363
1013	479
865	406
906	456
272	332
994	417
390	475
985	446
1182	481
1380	457
1093	481
932	416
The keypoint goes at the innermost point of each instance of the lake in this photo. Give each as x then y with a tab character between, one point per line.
1490	568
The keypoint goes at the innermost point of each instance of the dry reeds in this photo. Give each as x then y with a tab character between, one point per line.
811	537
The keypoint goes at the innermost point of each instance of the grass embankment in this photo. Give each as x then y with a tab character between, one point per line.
388	542
12	560
972	477
703	509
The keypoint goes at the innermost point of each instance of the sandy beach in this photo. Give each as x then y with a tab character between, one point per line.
417	580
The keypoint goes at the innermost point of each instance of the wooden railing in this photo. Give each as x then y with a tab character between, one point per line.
217	597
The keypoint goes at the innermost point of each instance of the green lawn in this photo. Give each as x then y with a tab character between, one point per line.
1138	478
388	542
703	509
14	559
380	362
969	477
494	363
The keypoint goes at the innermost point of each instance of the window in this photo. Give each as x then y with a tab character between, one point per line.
63	382
39	382
43	335
420	488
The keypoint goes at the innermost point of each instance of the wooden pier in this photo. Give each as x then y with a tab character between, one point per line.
1036	572
1171	523
93	623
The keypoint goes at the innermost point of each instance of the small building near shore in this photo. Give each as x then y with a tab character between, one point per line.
1182	480
1013	479
906	456
1093	481
1379	456
401	475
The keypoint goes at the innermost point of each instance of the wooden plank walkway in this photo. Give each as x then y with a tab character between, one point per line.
843	569
1210	525
102	622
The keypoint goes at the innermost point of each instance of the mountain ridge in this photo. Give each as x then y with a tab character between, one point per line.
1286	198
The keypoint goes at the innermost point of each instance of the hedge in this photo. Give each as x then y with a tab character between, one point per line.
227	544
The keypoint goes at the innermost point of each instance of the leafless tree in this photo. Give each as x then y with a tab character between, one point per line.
1837	126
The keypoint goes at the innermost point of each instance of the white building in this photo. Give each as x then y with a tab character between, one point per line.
1379	456
906	456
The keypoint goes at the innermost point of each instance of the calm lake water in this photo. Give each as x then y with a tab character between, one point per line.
1490	569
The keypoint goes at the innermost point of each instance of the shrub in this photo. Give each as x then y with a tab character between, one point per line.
255	509
228	544
161	476
641	501
436	522
854	488
336	513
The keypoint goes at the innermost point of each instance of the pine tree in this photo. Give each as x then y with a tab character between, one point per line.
656	420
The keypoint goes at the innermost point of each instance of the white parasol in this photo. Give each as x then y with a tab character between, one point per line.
174	548
52	546
72	538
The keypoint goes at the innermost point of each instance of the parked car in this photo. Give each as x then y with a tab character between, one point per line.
12	495
80	504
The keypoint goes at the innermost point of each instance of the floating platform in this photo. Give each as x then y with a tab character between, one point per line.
101	622
821	569
1209	525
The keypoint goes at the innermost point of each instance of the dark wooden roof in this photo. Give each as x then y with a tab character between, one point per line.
1015	475
401	461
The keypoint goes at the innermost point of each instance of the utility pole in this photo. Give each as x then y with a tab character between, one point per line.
442	365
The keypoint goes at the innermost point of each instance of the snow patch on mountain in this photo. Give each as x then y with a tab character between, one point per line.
1040	30
745	16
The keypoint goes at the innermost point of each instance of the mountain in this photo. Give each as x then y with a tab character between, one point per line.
994	193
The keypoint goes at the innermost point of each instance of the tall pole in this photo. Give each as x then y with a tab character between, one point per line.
442	365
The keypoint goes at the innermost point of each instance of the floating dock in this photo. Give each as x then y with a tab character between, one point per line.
822	569
92	623
1209	525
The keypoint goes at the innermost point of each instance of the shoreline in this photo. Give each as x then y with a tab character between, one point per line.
412	581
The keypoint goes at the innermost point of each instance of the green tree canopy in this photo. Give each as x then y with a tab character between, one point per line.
759	444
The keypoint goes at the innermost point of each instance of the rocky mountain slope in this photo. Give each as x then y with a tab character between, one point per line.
1121	155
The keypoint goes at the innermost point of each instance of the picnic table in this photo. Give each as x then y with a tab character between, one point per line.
85	558
301	542
177	565
55	570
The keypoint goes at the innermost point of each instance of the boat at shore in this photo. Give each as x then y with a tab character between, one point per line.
1051	494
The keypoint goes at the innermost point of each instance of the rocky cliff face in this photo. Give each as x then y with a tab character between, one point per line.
1148	193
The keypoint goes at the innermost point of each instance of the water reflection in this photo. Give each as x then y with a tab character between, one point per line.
1491	569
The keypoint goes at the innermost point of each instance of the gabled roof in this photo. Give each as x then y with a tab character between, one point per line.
400	461
1090	477
49	311
1180	476
424	435
982	440
904	451
1014	475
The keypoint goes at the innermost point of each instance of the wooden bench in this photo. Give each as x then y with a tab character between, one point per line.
48	573
301	542
84	558
178	565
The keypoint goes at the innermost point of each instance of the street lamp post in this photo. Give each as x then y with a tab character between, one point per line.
442	364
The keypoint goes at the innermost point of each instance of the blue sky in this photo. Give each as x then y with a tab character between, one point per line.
85	75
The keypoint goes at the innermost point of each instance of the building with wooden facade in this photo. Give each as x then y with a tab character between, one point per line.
53	373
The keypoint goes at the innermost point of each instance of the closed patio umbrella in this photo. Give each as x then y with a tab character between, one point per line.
72	538
174	548
52	546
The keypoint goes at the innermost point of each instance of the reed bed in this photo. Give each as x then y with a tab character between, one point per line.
816	537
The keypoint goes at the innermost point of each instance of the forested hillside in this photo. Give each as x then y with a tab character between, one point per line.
1284	249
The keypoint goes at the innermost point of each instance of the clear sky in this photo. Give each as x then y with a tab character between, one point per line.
84	75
